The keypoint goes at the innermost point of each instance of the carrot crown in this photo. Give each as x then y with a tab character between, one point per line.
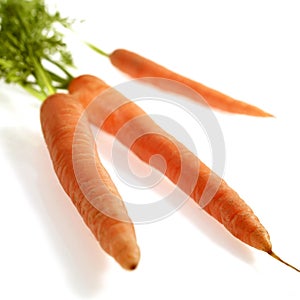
32	47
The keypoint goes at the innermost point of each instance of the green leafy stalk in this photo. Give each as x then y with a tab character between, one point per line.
30	41
96	49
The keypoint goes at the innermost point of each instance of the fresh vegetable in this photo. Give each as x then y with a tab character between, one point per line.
30	45
30	49
138	66
71	143
146	139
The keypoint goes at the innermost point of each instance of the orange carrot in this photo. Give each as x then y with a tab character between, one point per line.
198	181
71	145
27	49
29	54
138	66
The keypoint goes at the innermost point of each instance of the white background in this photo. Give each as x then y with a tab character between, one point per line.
247	49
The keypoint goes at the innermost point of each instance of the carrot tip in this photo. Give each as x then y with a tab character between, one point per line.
132	267
269	115
129	266
284	262
129	258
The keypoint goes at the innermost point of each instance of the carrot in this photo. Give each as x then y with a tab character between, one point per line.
60	115
145	138
138	66
31	47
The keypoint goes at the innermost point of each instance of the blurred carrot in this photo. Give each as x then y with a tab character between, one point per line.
208	190
138	66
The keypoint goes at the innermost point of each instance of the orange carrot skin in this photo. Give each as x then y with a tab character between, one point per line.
60	114
226	206
138	66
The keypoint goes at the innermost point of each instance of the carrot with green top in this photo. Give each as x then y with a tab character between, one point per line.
137	66
28	40
146	139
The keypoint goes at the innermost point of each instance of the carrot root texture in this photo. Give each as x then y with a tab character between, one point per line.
225	204
137	66
60	117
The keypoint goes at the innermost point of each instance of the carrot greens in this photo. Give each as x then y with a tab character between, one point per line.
32	52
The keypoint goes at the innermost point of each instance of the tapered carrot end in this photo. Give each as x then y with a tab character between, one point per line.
241	107
284	262
255	111
267	115
129	257
132	267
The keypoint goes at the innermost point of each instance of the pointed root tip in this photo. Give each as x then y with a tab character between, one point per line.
263	114
130	266
282	261
267	115
258	112
129	258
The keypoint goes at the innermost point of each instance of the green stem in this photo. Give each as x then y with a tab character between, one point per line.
96	49
69	75
43	78
56	78
34	92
